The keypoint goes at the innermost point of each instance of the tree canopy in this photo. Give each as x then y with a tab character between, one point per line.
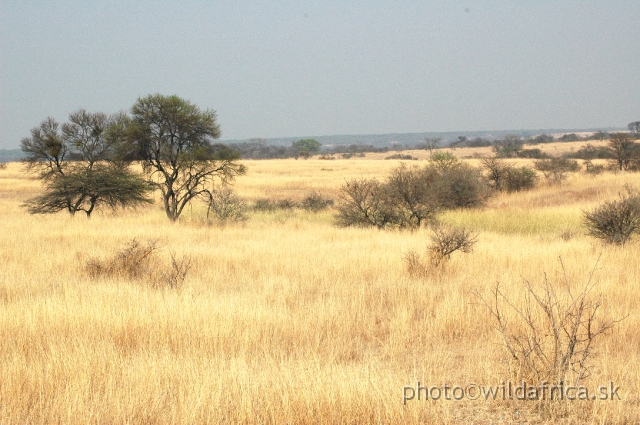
174	140
79	167
307	145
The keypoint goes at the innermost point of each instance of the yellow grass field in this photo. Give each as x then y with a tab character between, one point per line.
288	319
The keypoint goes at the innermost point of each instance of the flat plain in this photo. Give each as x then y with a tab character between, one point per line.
286	318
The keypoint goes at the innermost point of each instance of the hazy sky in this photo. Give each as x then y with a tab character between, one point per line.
313	68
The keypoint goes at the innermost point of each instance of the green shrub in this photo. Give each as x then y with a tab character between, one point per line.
519	179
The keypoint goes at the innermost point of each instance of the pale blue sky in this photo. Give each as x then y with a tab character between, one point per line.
311	68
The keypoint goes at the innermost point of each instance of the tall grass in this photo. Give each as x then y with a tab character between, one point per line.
286	318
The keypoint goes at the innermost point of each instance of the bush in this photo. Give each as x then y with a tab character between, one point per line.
408	198
415	265
265	205
412	196
459	186
504	177
591	152
443	160
447	240
270	206
361	203
3	165
532	153
315	202
286	204
497	169
615	221
444	242
400	156
550	336
225	205
519	179
593	169
137	261
556	170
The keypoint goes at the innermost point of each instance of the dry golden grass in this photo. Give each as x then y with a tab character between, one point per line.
289	319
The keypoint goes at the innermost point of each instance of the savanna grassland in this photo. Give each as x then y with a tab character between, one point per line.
286	318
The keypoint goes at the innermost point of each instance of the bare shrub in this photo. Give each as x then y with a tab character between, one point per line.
3	165
415	265
225	205
444	242
615	221
132	261
138	261
175	275
550	335
447	240
315	202
361	203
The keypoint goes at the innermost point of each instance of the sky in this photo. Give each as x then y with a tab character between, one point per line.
311	68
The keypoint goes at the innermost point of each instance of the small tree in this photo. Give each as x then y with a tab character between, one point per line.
600	135
459	186
174	140
431	143
623	150
409	196
498	170
78	166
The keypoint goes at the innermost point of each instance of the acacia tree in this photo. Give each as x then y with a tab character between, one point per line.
623	149
77	164
173	139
